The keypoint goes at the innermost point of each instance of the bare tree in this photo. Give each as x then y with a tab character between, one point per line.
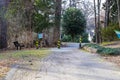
87	8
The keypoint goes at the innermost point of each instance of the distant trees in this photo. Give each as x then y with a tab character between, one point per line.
74	22
34	16
112	16
86	7
112	11
47	14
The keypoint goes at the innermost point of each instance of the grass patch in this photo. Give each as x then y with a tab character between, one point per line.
21	57
108	43
25	54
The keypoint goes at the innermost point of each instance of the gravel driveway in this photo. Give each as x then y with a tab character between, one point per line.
67	64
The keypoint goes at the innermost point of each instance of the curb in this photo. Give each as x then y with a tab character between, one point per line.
11	73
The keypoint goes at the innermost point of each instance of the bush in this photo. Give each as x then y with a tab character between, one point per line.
85	38
108	33
66	38
104	51
108	51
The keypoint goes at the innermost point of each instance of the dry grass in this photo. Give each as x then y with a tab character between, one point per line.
114	59
9	58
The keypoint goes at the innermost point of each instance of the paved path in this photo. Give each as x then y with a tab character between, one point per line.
68	64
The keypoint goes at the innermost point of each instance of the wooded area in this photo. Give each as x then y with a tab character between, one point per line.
22	20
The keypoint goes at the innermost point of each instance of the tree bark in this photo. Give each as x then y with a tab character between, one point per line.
70	4
3	25
98	24
118	4
106	13
56	36
96	30
97	21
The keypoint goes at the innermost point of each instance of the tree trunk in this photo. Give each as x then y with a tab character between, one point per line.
3	25
98	25
3	33
106	13
56	36
29	12
118	4
97	21
96	30
70	4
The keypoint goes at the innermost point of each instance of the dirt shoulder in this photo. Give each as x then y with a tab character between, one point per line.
25	58
113	59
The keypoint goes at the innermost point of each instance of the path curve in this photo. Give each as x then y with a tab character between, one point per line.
70	64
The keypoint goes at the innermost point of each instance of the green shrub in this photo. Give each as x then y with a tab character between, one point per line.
66	38
108	51
93	46
85	38
94	39
108	33
104	51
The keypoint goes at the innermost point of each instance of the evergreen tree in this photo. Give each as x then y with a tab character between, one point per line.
74	22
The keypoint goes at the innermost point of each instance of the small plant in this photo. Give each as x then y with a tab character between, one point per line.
104	51
108	33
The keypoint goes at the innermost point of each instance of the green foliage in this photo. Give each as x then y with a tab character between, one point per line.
104	51
108	51
113	10
40	22
41	18
31	15
66	38
19	13
108	33
85	38
74	22
94	39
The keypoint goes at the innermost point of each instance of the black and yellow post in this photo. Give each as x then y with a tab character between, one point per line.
37	44
59	44
80	41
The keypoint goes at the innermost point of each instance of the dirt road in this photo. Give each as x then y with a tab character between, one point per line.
67	64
